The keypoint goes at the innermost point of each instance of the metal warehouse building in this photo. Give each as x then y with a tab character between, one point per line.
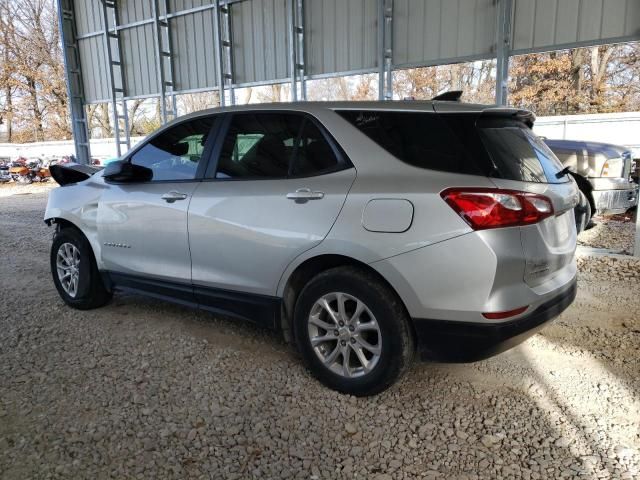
118	50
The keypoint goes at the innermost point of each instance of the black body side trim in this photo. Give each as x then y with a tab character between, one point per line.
451	341
263	310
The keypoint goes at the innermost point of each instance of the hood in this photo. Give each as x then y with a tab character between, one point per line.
607	149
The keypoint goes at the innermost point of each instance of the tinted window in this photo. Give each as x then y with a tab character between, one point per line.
420	139
313	154
176	153
519	154
273	145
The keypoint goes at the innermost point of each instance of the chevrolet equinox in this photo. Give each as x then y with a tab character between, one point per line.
366	231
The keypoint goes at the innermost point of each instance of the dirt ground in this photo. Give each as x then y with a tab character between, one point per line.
145	389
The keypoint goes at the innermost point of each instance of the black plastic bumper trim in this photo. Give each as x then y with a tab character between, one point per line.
451	341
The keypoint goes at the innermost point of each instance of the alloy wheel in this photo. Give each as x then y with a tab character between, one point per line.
68	267
344	334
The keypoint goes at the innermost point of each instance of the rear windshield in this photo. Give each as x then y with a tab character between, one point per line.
518	154
419	139
460	143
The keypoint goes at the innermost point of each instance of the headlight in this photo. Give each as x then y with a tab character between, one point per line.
613	168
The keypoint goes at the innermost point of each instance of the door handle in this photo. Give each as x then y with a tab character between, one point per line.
172	196
305	194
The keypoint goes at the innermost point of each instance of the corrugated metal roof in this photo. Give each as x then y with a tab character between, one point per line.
95	75
550	24
261	26
194	55
88	16
341	35
134	10
179	5
427	31
141	75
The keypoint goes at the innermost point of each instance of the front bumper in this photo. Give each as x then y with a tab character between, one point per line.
452	341
615	201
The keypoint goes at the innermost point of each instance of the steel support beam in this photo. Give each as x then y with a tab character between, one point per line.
301	59
636	248
158	51
227	50
503	50
292	50
380	48
217	32
385	49
117	82
75	89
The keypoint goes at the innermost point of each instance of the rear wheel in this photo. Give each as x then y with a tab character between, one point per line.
74	270
352	331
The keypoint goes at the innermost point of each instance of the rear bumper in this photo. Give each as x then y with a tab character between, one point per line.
451	341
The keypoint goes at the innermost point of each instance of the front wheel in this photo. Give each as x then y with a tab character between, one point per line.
74	270
352	331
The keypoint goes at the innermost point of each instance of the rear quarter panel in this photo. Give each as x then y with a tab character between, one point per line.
382	176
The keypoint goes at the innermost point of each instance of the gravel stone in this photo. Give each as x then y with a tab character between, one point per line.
145	389
614	232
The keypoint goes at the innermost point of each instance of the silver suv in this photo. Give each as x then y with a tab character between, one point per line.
366	232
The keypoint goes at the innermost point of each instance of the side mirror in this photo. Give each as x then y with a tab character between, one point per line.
122	171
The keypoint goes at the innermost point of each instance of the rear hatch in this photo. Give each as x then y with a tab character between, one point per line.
515	158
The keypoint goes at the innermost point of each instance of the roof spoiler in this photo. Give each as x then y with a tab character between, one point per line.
524	116
450	96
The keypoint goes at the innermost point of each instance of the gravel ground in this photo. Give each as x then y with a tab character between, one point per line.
616	233
145	389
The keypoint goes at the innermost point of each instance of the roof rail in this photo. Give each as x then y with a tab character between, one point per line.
450	96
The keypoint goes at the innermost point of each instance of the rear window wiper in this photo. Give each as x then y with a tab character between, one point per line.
563	172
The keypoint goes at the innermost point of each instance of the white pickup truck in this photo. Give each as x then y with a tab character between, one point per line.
603	173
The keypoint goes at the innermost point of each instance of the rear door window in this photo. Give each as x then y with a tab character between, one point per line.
420	139
274	145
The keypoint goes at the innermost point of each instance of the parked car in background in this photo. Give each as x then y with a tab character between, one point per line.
366	231
603	173
5	165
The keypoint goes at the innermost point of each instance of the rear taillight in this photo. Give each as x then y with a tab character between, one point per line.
484	208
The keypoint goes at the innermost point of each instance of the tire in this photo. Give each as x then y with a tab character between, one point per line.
583	213
89	291
392	340
588	214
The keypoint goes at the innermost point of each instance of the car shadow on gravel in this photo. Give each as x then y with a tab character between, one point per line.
215	328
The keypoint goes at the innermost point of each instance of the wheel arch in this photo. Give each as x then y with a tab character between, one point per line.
62	222
311	267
